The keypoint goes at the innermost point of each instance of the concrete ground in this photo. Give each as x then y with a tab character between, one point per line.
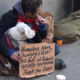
70	53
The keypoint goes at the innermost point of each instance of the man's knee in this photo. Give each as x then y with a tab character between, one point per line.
57	49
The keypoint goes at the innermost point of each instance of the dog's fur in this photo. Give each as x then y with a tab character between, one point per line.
20	33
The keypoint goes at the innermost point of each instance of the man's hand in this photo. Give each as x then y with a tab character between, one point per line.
16	56
45	20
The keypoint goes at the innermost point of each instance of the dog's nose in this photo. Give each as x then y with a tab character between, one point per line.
33	33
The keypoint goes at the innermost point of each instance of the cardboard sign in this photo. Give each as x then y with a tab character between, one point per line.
37	59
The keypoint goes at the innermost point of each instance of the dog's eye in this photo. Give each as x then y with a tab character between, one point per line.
22	33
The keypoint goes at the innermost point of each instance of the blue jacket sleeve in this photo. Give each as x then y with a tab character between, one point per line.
43	30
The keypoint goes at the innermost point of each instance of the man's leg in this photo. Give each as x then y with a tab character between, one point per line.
57	49
59	63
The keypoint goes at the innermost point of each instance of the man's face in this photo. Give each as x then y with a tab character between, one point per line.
38	11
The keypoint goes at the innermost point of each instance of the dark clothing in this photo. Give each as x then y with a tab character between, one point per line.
9	20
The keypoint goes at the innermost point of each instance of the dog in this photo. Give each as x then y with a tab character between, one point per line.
19	33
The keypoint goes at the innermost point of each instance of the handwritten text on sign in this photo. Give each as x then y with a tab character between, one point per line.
38	59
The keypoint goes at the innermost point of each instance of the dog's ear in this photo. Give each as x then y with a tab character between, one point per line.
20	28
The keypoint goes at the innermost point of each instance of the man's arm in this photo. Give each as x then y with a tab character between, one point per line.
7	21
50	18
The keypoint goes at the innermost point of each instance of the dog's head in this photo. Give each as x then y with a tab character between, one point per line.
22	31
25	30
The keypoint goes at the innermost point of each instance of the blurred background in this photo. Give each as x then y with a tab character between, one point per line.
59	8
